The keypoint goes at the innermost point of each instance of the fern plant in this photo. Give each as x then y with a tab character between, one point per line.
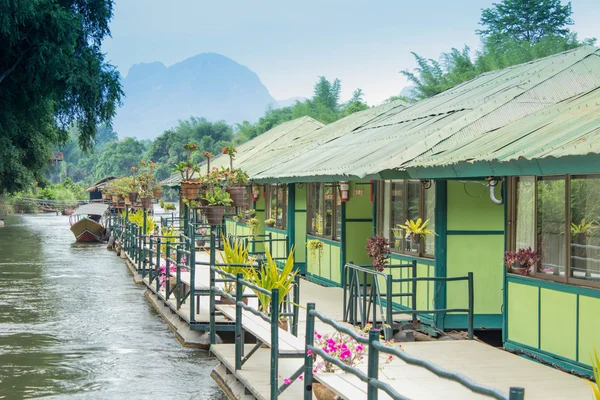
315	250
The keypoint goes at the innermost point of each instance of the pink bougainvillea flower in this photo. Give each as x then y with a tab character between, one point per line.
287	381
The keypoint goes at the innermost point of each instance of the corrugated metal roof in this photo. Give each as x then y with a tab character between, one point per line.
291	139
475	111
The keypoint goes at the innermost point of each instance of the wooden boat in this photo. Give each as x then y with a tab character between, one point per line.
86	222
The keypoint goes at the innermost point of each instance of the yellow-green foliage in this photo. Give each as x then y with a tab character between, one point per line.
137	218
171	236
231	255
270	277
596	368
416	228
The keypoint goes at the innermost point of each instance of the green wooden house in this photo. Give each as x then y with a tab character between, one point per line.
508	160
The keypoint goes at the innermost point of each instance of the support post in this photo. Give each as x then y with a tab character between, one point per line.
192	267
211	323
414	290
239	333
388	308
471	300
274	344
373	364
167	269
295	306
308	358
157	266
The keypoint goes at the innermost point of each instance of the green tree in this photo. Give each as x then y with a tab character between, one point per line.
118	158
526	20
52	74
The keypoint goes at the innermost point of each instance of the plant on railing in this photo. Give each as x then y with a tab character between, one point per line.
167	206
137	218
583	228
378	248
169	236
596	368
521	261
270	277
190	186
416	230
315	250
270	222
231	255
253	225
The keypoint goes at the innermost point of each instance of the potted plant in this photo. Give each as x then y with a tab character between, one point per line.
235	179
201	238
270	277
315	250
190	187
580	234
521	261
596	369
253	225
217	200
270	222
416	231
378	248
233	256
157	191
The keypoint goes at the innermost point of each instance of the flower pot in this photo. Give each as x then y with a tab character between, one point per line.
119	198
322	392
225	300
214	214
284	324
203	202
190	189
237	194
520	270
146	202
157	193
106	196
133	196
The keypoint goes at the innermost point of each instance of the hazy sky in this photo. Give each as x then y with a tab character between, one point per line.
290	43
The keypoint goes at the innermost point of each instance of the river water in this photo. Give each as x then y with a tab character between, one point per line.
73	325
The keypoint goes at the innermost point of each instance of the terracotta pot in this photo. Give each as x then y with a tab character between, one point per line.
106	196
200	243
322	392
214	214
238	195
284	324
133	196
157	193
119	198
190	189
520	270
225	300
203	202
146	202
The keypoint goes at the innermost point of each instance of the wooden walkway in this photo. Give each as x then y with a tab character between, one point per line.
480	362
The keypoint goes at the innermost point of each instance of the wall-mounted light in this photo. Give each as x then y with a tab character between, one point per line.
300	185
426	183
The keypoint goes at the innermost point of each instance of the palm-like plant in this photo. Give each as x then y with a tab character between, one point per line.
418	228
233	256
269	277
596	368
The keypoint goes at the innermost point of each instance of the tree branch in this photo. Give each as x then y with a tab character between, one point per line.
11	69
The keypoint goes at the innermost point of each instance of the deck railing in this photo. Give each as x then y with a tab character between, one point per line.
363	296
374	348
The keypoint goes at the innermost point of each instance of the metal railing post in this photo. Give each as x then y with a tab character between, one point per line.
167	270
211	321
192	265
308	358
373	364
178	283
388	311
239	333
516	393
274	344
157	266
414	290
471	300
296	305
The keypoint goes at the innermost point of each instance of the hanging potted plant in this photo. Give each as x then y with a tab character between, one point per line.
315	250
253	225
217	200
270	223
157	191
521	261
378	248
190	187
235	179
133	186
415	231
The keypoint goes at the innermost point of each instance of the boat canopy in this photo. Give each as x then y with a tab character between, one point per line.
91	209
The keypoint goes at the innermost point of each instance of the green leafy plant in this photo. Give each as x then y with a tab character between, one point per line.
270	222
217	197
378	248
584	227
596	368
269	277
253	224
416	228
169	236
315	250
137	217
231	255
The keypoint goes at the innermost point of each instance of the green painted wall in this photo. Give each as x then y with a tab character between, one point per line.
558	315
589	328
567	317
356	241
471	247
359	206
327	266
523	314
425	290
278	246
470	208
300	228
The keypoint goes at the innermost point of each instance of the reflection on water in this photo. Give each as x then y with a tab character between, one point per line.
73	324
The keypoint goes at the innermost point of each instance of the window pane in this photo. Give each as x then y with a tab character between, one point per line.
413	190
338	214
397	214
525	218
328	209
272	202
281	210
316	219
585	236
551	225
430	215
